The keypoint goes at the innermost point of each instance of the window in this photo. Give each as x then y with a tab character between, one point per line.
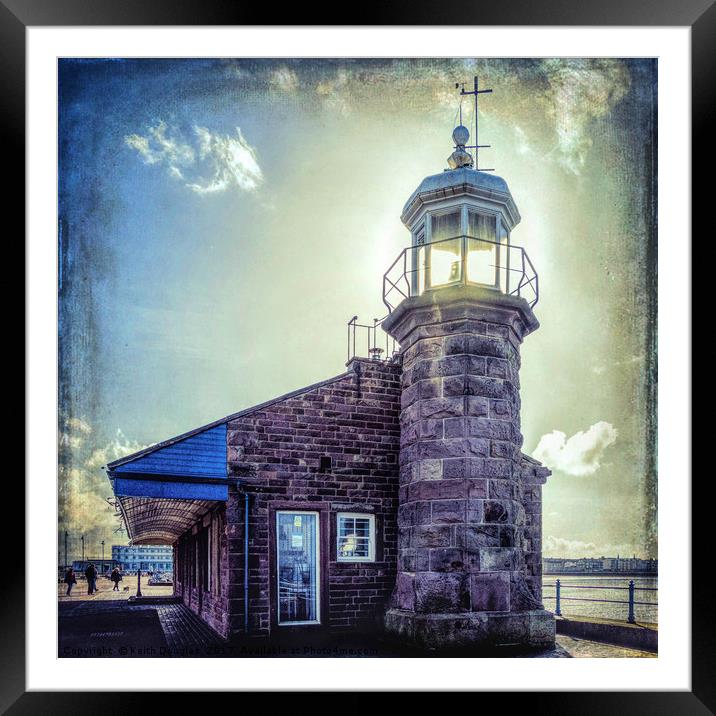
445	226
418	258
217	573
209	565
355	538
445	249
482	259
202	544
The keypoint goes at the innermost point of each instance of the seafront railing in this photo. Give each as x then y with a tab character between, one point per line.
631	619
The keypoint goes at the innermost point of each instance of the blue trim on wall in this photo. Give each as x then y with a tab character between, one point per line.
170	489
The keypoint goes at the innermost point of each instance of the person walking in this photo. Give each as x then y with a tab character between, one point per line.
70	580
91	574
116	577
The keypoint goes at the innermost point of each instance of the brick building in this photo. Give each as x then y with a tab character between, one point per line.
394	495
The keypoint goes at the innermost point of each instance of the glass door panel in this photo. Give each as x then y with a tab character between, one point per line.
298	567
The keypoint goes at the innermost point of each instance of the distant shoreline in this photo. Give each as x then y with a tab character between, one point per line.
600	573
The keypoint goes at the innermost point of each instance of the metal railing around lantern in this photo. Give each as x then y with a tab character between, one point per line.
372	339
459	260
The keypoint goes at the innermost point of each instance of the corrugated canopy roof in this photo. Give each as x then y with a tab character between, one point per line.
160	521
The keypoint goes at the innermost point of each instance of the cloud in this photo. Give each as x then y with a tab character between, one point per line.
113	450
580	454
559	547
601	368
233	159
207	162
83	486
578	92
558	99
521	142
157	148
284	79
335	92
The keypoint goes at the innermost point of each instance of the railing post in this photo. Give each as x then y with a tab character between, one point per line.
631	618
558	607
463	260
139	582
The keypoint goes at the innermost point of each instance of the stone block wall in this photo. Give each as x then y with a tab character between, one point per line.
534	475
470	513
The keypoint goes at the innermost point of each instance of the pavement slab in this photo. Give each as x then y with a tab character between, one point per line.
107	625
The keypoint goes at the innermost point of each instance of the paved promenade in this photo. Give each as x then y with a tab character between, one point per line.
107	625
127	588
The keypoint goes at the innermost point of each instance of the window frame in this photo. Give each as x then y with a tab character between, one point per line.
318	587
371	537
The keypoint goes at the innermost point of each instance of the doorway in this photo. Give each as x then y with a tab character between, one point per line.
298	561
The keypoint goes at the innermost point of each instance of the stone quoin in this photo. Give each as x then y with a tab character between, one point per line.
394	496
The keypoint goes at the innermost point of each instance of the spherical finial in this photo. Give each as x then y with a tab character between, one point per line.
460	135
460	157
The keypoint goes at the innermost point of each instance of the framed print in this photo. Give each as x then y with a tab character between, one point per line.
348	340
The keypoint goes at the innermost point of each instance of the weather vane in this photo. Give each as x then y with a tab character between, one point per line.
476	92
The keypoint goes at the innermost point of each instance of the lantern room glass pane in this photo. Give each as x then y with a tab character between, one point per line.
481	226
481	262
482	254
418	258
504	275
445	226
422	254
446	262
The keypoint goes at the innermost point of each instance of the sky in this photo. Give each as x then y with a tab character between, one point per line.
222	220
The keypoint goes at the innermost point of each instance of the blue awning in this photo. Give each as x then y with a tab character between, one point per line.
164	490
178	487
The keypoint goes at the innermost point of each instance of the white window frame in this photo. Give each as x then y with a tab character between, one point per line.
371	536
318	568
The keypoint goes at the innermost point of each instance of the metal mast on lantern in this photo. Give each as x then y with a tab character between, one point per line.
477	146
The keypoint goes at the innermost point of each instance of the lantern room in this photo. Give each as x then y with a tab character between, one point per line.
460	222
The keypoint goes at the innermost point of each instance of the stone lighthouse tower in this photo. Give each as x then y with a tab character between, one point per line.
461	302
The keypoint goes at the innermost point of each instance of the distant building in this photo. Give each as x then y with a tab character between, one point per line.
630	565
148	558
101	565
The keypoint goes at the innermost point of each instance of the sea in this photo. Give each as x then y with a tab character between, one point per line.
611	588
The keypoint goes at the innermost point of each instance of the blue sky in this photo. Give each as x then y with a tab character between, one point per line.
221	220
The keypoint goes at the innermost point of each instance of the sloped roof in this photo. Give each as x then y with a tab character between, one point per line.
167	487
462	181
115	465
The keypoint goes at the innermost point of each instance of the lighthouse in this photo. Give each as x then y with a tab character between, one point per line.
462	300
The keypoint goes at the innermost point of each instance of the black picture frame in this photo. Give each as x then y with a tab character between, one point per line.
699	15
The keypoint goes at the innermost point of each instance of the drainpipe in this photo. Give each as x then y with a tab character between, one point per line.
246	562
